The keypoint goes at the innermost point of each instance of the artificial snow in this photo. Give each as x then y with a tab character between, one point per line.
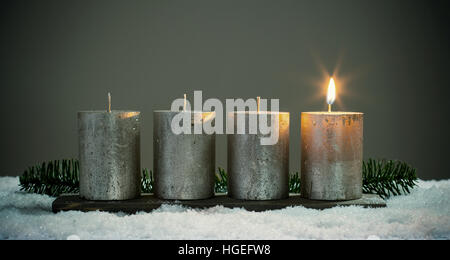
423	214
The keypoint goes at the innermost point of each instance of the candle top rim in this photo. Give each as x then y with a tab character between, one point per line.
187	111
107	112
333	113
259	112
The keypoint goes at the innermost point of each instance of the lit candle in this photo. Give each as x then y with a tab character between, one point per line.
332	153
109	151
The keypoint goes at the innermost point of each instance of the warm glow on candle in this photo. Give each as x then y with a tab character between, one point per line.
331	95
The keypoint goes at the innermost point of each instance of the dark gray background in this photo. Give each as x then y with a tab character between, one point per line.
391	58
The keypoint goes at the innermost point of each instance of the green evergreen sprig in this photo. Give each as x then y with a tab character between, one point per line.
387	177
294	183
147	181
52	178
382	177
221	184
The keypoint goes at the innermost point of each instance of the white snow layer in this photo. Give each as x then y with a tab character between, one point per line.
424	214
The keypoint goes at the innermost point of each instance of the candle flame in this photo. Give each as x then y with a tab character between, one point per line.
331	95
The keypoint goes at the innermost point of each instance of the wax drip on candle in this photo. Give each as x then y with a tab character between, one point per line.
109	102
331	95
184	105
258	100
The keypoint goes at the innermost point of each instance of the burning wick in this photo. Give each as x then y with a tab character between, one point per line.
184	105
109	102
331	95
257	103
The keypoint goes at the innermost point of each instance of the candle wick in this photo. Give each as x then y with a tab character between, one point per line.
109	102
184	105
329	107
258	100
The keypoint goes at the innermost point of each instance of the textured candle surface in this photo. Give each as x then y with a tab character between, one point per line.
109	150
184	164
255	171
332	154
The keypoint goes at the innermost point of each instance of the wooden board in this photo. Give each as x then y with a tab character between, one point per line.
148	202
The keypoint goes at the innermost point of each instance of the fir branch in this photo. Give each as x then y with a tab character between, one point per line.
382	177
147	181
52	178
294	183
387	177
221	184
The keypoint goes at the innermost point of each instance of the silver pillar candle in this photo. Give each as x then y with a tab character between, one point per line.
332	154
184	164
109	151
255	171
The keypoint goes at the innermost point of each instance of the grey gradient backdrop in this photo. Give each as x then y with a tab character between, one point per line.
392	59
